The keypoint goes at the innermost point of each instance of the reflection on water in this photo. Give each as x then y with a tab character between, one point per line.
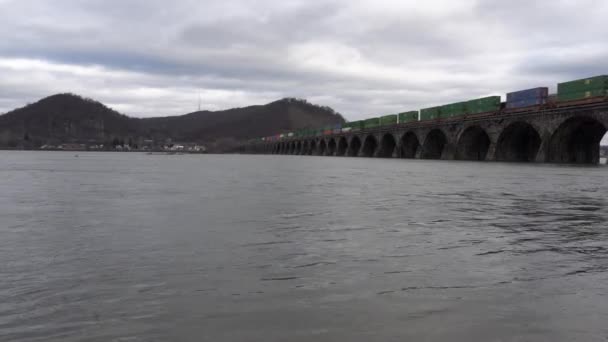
129	247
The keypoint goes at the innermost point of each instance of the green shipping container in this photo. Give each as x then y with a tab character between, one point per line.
583	85
582	95
408	116
371	123
453	109
388	120
356	125
483	105
430	113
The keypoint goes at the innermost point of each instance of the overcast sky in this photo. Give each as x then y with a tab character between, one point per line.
363	58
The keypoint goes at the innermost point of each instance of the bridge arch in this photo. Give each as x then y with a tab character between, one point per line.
409	145
354	147
434	144
342	147
321	147
387	146
370	145
331	147
518	142
577	141
298	148
474	144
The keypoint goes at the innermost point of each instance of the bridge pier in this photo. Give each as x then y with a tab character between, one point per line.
395	153
491	152
449	152
543	150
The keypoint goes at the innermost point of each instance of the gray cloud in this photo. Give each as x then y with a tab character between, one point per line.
363	58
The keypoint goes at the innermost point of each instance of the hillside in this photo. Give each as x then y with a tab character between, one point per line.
67	118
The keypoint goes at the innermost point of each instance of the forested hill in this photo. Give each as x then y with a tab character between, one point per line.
68	118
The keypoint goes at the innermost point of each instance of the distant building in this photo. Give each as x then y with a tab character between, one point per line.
185	147
72	147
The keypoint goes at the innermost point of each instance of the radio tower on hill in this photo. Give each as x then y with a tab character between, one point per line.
199	100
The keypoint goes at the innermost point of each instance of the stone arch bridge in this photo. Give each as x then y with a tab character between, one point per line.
563	135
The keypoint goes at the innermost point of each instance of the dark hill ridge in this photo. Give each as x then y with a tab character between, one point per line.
68	118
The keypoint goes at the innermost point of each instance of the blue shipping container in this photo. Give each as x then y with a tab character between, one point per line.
535	93
526	103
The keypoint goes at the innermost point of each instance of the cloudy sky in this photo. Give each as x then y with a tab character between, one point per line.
152	57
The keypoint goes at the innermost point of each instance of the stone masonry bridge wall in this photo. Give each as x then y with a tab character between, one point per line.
569	135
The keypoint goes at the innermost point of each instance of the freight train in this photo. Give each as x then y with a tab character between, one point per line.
583	91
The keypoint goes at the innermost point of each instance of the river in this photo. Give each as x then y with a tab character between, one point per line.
135	247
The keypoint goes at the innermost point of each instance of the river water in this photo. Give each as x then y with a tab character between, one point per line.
135	247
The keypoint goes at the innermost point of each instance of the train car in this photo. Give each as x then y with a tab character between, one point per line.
371	123
453	109
524	99
484	105
337	129
407	117
353	126
346	127
388	120
586	90
431	113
